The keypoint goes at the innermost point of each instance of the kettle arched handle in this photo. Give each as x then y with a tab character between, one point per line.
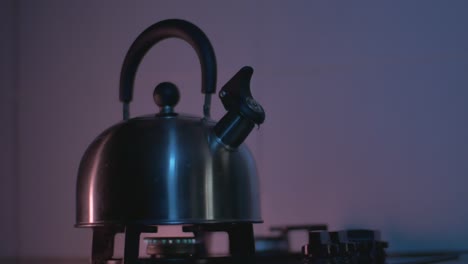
171	28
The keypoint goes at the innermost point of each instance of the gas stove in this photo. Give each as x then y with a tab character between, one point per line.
353	246
169	168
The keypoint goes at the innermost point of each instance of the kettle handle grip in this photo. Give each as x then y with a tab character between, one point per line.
170	28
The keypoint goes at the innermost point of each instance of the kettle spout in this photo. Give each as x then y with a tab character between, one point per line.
243	111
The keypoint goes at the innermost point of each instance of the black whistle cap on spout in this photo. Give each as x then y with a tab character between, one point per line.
244	112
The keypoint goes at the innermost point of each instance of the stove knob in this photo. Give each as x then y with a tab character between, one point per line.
368	245
345	248
319	246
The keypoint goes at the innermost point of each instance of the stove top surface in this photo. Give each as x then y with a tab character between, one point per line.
350	246
447	259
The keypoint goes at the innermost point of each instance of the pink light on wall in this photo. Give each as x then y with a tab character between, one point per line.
366	109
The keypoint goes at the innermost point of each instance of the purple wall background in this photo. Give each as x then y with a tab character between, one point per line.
366	109
8	131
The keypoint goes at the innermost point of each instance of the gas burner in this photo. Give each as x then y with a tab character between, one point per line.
159	247
240	236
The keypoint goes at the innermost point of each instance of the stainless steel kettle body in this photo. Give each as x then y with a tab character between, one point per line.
165	174
169	168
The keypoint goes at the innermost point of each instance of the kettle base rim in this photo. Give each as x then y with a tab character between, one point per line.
167	222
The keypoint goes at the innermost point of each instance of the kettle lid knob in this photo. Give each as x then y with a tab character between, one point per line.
166	96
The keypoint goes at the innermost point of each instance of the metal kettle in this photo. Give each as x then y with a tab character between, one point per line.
170	168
